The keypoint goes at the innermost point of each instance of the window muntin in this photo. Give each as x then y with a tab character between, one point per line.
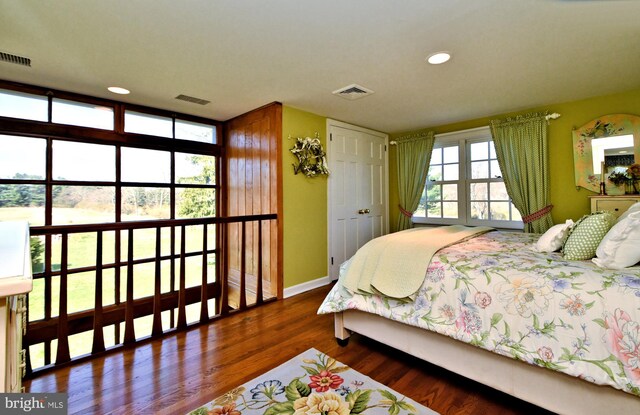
22	105
464	184
82	114
83	161
22	158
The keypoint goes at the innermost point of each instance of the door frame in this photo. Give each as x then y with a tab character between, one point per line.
330	125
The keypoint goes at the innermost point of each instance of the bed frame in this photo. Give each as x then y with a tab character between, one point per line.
548	389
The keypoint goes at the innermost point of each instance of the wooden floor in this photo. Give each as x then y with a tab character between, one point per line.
182	371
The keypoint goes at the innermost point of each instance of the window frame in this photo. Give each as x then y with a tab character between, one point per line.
463	139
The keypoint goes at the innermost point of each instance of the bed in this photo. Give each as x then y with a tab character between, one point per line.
564	335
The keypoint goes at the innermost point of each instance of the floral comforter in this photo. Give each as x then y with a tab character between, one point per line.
495	292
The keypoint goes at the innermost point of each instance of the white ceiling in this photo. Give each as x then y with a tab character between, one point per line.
508	55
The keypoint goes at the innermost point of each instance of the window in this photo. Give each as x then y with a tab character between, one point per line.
464	184
94	177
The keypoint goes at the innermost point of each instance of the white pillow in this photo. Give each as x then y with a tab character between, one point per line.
633	208
620	247
553	239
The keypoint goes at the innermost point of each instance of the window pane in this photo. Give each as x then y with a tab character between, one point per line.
450	210
478	191
436	156
500	210
515	213
422	206
492	150
498	191
479	210
26	106
135	122
434	210
434	192
82	114
139	165
22	157
80	161
451	154
435	173
479	151
193	131
495	169
480	170
141	203
450	192
83	204
22	202
451	172
195	203
195	169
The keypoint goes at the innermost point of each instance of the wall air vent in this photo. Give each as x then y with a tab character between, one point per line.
193	100
11	58
353	91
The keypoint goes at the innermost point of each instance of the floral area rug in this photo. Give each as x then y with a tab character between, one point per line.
312	383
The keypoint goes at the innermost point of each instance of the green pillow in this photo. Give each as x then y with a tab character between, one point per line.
586	235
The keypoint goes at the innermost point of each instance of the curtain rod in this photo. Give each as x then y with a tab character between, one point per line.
553	116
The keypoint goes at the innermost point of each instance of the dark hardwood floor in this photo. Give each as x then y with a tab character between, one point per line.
187	369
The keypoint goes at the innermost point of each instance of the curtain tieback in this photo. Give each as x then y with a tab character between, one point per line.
405	211
537	215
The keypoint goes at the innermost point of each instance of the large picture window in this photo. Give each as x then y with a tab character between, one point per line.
464	184
159	167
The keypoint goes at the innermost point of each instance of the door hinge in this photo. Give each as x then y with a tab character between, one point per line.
385	147
331	137
331	260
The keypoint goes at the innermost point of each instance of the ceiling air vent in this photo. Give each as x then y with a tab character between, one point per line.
193	100
353	91
11	58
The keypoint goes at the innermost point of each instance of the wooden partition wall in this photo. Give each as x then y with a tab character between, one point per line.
254	187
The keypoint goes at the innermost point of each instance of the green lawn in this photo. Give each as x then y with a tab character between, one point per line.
81	286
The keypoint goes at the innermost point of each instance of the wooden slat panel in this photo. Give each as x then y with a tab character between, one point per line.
254	185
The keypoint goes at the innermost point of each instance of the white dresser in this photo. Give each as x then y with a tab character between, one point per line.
15	282
616	204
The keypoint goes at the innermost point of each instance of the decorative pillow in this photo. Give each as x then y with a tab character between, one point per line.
553	239
633	208
586	235
620	247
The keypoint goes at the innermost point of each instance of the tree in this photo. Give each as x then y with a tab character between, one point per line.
198	202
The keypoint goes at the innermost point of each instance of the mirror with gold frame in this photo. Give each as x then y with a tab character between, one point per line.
603	145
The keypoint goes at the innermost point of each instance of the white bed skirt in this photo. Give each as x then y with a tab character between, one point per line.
551	390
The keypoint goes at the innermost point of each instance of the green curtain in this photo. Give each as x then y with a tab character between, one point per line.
521	148
413	156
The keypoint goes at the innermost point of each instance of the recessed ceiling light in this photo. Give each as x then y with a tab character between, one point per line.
438	58
118	90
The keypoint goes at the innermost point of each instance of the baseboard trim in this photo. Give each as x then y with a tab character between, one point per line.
305	286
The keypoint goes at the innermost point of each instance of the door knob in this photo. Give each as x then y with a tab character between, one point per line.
363	211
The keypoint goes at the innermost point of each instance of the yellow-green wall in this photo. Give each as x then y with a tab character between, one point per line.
305	200
304	204
569	202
